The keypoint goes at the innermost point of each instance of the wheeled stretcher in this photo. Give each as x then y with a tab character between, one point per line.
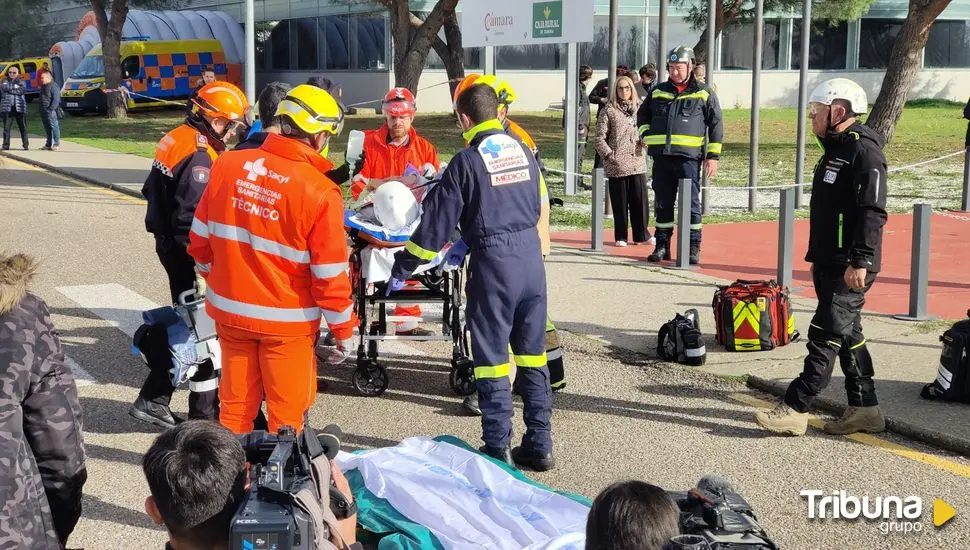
371	258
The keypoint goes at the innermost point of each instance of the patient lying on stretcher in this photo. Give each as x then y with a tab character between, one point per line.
385	220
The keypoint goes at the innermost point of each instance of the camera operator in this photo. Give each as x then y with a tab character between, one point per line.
197	476
632	515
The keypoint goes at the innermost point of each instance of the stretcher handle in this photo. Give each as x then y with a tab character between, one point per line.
184	301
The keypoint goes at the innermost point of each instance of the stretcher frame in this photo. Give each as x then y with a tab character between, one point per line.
440	286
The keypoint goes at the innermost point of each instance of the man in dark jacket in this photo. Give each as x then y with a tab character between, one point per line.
680	123
50	100
13	106
41	449
848	212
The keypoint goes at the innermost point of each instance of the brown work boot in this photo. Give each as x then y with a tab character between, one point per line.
783	420
857	419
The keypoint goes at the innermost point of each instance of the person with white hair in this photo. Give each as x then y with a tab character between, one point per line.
848	213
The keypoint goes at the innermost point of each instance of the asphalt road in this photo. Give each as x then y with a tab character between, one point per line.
621	416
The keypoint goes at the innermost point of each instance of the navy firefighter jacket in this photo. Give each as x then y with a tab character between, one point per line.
490	190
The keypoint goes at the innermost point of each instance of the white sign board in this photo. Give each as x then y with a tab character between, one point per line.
519	22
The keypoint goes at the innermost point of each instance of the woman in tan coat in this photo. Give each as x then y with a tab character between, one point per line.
625	163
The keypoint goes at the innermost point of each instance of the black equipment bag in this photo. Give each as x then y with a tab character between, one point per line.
719	514
953	376
680	340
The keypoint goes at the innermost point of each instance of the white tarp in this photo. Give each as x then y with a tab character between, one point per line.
466	500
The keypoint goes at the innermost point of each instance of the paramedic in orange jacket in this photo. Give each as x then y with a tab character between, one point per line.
269	238
179	175
387	153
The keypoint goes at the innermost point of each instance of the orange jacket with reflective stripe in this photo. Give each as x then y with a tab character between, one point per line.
383	160
269	238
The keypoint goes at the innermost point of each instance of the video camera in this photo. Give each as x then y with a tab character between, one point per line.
269	517
716	512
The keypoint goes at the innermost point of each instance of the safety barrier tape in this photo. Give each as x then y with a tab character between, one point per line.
946	214
784	186
381	99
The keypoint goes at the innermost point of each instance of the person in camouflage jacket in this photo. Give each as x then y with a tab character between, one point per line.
41	449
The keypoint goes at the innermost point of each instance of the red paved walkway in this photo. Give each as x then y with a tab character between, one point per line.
749	250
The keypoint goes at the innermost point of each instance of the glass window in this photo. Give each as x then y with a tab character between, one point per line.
91	67
130	67
876	39
264	33
306	43
737	46
630	35
531	57
826	48
679	33
948	45
335	35
280	46
370	42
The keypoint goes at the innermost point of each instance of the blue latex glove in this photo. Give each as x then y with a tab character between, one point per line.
393	286
456	254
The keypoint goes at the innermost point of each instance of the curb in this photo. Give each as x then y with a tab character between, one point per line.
923	435
76	176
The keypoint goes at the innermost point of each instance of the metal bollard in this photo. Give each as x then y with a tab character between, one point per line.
599	187
919	274
682	258
786	235
965	205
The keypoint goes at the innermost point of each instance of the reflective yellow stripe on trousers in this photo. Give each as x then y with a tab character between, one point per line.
535	361
493	371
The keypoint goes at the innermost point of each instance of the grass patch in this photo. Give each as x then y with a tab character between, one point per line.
927	327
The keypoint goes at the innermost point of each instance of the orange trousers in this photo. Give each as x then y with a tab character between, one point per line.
281	369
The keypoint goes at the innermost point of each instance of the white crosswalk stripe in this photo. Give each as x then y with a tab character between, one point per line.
114	303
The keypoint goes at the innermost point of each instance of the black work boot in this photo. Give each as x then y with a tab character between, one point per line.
471	405
153	413
505	454
539	462
661	252
695	254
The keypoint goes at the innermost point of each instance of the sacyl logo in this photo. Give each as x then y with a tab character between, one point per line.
256	169
897	514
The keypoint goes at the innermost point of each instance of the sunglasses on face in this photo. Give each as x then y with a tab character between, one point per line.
623	88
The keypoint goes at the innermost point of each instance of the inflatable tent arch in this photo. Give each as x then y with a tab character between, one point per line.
154	25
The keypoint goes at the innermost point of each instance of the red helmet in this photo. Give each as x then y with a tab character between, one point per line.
399	102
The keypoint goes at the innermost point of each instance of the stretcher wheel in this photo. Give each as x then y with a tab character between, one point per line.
462	377
370	379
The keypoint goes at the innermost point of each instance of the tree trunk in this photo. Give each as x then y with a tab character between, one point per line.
110	31
452	53
700	49
904	63
411	53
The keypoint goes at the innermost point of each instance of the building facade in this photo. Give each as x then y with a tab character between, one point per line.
351	42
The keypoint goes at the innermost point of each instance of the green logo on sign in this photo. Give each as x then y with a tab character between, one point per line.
547	19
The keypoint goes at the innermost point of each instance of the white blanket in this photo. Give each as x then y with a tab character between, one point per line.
467	501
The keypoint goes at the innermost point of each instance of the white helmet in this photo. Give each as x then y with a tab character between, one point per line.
395	206
841	88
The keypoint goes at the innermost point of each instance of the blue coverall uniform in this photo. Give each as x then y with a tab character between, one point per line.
490	191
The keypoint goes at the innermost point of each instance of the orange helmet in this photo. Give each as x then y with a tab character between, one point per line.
502	89
221	100
399	102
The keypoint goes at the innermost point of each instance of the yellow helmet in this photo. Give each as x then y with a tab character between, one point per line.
312	110
505	93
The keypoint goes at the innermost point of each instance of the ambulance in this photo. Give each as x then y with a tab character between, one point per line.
30	69
154	72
